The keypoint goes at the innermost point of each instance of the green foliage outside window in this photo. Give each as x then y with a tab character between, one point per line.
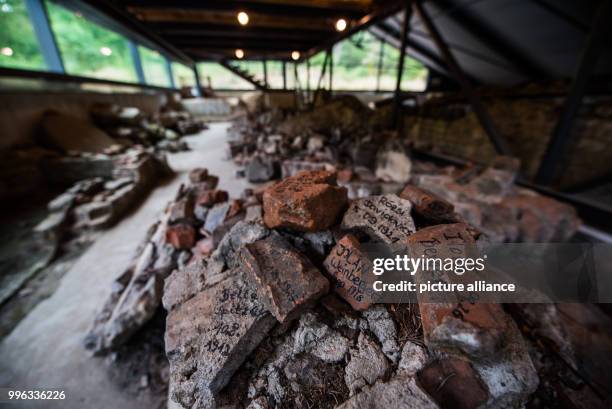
88	49
215	75
154	67
275	74
183	75
18	44
356	62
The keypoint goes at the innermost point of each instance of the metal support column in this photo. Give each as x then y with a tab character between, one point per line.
308	79
196	75
169	72
318	89
400	66
481	113
265	72
561	137
136	61
381	57
284	75
331	69
44	34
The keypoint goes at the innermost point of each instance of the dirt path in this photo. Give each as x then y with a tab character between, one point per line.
45	349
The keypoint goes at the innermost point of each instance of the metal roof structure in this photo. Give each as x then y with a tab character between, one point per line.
497	42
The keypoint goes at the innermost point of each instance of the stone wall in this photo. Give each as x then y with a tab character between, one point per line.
526	121
21	112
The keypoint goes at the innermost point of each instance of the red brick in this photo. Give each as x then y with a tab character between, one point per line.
198	175
287	281
211	197
427	204
353	272
453	383
181	236
308	201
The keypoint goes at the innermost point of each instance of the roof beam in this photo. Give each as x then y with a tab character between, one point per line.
305	9
364	23
519	60
479	109
561	138
177	15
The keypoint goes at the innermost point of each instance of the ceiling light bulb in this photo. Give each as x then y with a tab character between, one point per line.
239	54
295	55
341	24
7	51
105	51
243	18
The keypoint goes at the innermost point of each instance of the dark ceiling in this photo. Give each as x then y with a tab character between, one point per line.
210	29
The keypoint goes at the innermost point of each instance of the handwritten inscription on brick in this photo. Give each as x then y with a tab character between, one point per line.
309	201
386	218
221	325
353	272
287	282
477	329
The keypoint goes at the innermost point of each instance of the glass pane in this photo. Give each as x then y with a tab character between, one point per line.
414	77
154	67
275	74
88	49
18	44
316	66
183	75
290	67
254	68
216	76
356	62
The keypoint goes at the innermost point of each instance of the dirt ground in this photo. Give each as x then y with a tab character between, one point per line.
45	350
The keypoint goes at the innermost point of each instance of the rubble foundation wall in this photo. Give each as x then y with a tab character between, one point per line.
527	123
20	113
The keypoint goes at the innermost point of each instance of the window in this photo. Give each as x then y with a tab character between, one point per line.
254	68
183	75
290	68
88	49
316	67
414	77
18	44
275	74
216	76
154	67
356	66
356	62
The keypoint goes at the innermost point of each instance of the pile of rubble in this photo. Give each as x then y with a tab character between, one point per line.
341	136
115	184
267	304
189	228
129	125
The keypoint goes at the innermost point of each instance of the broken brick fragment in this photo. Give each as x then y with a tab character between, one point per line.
181	210
428	204
211	197
181	236
475	329
287	281
308	201
198	175
353	272
384	218
453	383
205	246
345	175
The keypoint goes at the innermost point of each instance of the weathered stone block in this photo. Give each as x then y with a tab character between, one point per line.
309	201
385	218
353	272
287	282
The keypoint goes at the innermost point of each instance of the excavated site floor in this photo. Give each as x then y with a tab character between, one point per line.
45	350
